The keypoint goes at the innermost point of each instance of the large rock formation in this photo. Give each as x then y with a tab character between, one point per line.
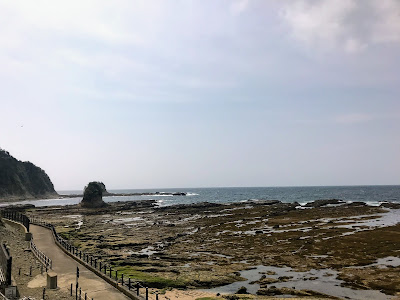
93	195
103	187
23	180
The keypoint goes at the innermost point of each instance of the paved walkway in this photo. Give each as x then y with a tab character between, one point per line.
65	267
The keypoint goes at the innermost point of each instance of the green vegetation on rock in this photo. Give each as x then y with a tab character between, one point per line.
151	280
20	180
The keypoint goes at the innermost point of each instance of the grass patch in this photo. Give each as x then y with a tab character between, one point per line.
149	280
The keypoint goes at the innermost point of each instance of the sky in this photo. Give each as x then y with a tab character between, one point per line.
202	93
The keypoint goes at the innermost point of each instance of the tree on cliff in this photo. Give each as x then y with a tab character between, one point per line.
21	180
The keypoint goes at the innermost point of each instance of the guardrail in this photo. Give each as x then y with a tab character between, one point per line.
17	217
129	286
25	221
2	297
46	261
6	265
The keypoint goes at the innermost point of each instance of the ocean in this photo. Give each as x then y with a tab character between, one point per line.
372	195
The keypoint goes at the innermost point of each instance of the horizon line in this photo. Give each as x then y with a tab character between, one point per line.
225	187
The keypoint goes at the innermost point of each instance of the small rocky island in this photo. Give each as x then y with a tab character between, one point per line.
23	180
93	195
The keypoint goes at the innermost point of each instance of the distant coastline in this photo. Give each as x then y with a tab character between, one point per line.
18	198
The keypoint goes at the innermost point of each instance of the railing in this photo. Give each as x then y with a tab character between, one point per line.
21	218
6	265
46	261
2	297
76	291
17	217
127	285
2	280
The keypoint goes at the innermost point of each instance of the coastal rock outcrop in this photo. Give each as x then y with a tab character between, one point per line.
103	187
390	205
23	180
93	195
324	202
262	202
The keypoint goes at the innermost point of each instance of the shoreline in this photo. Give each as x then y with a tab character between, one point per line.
128	194
16	198
12	202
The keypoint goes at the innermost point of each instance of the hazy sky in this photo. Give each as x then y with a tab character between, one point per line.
146	94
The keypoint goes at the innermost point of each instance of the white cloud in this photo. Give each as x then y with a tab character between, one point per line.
238	7
353	45
347	25
354	118
387	27
95	20
317	23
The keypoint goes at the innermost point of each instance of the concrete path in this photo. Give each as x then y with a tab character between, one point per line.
65	267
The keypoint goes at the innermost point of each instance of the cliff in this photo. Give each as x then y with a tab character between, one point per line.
23	180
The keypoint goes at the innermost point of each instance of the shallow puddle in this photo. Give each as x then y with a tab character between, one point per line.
323	281
382	263
125	220
79	225
146	251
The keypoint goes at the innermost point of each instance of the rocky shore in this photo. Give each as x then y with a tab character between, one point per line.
18	198
209	245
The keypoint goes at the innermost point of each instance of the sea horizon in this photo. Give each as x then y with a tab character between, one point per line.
61	191
372	195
